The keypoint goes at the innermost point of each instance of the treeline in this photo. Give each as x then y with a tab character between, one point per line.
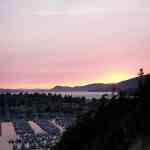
119	124
36	98
27	105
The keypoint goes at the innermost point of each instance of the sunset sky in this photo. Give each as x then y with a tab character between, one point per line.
44	43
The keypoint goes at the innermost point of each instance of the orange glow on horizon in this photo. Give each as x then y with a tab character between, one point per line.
26	86
116	77
108	78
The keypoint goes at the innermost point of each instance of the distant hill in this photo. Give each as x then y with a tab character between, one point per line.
89	87
130	84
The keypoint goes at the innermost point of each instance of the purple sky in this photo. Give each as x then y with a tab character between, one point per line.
48	42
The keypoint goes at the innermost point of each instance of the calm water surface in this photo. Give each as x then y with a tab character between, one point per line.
88	95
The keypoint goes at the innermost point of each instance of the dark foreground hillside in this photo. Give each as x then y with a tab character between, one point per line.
119	124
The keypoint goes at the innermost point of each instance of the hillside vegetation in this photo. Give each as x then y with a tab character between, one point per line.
118	124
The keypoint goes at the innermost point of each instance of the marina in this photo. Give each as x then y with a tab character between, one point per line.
30	135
